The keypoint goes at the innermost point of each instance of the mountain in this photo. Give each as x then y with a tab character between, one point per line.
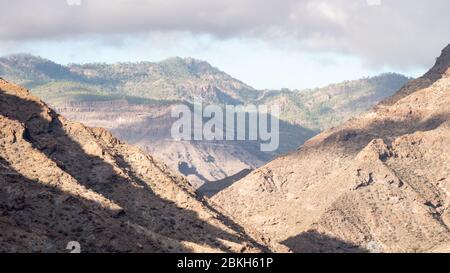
172	79
61	181
321	108
134	101
377	183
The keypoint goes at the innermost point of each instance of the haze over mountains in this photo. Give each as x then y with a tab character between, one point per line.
134	101
379	182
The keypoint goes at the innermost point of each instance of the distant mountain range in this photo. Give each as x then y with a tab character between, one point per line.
133	100
321	108
170	80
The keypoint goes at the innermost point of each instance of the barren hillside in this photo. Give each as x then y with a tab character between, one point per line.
378	183
61	181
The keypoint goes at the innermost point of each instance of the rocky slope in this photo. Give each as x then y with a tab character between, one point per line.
149	127
377	183
133	101
61	181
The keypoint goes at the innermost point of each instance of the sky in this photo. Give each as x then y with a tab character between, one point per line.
268	44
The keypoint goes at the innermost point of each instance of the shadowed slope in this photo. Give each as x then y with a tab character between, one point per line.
313	242
62	181
382	179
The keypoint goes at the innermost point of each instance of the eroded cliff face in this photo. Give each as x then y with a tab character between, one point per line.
378	183
61	181
149	127
133	101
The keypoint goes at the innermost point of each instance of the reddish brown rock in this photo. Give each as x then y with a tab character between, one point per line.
61	181
379	182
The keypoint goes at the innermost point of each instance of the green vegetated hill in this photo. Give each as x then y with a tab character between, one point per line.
172	79
321	108
178	79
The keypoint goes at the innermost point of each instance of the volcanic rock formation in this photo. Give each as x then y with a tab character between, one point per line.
61	181
377	183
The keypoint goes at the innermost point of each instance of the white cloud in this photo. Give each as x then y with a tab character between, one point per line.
73	2
399	33
373	2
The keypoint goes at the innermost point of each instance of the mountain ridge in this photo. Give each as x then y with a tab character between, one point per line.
133	100
168	79
376	183
62	181
435	73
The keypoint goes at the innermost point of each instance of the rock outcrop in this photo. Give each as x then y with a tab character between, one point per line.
61	181
377	183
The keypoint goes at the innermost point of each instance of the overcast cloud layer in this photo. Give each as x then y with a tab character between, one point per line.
398	33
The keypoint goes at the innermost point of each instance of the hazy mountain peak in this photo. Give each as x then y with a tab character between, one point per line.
23	57
193	66
30	70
